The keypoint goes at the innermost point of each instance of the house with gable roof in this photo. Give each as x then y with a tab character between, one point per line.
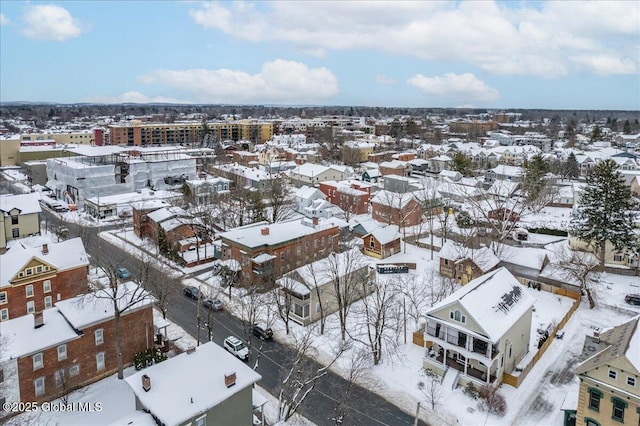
481	331
464	264
34	278
382	242
610	377
203	386
397	209
312	174
19	217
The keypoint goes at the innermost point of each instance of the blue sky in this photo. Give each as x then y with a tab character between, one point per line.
557	55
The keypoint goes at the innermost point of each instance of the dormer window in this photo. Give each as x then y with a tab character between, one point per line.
458	316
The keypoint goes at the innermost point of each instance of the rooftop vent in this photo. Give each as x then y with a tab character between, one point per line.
146	382
230	379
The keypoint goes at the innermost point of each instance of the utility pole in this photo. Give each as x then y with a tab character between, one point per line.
415	421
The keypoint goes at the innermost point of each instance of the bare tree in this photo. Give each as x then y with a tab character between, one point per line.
280	200
378	320
576	267
301	375
431	388
165	289
282	296
358	365
416	290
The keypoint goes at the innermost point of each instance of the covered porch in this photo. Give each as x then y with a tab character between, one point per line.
469	367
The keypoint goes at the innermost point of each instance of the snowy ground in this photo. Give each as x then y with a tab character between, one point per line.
540	395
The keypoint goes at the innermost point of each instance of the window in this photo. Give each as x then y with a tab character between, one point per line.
31	307
74	370
62	352
201	421
590	422
3	297
4	314
29	288
29	271
617	258
15	232
317	307
99	333
457	316
39	269
48	302
37	361
612	374
594	399
372	242
631	381
618	409
282	255
39	385
100	361
14	220
59	378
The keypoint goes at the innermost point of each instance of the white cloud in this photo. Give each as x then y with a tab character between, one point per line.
279	81
132	97
607	64
460	87
506	38
51	22
384	80
3	20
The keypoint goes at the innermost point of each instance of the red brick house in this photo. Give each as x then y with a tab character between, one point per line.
33	279
394	167
382	242
177	224
73	344
140	210
397	209
267	251
348	197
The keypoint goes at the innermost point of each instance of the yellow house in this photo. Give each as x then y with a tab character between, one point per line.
19	217
625	259
609	392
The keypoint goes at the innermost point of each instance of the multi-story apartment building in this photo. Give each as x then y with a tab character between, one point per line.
267	251
33	279
397	209
609	392
482	330
143	134
54	351
348	196
19	217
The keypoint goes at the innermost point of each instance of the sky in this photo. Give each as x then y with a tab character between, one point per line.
483	54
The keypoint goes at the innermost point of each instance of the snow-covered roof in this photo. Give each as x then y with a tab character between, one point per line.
25	203
280	232
495	300
19	337
482	257
622	340
507	170
385	235
307	192
392	199
191	383
264	257
310	169
93	308
166	213
62	256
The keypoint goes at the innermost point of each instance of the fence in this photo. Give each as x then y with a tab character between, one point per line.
516	380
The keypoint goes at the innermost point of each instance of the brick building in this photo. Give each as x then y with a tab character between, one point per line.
394	167
33	279
267	251
52	352
348	196
397	209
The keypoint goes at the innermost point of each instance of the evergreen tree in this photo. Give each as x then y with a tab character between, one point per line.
461	163
626	129
596	134
534	180
571	168
163	244
606	212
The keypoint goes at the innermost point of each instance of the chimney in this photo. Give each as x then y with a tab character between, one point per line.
45	248
230	379
146	382
38	319
315	221
191	349
264	231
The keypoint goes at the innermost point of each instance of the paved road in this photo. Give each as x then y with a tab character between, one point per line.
363	406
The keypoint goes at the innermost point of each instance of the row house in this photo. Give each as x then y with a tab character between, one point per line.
481	330
464	264
396	209
267	251
59	349
33	279
610	377
310	291
349	197
19	217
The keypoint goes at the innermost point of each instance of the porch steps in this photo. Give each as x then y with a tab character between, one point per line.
450	379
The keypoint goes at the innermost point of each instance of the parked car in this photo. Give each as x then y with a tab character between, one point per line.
191	292
237	347
213	304
262	331
632	299
123	273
